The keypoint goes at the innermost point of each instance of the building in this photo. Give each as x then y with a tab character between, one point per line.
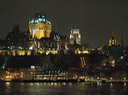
112	41
40	27
40	39
75	36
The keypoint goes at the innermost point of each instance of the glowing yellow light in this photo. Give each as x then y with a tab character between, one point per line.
8	83
111	78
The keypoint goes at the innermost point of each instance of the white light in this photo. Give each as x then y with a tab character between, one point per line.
121	57
30	48
32	67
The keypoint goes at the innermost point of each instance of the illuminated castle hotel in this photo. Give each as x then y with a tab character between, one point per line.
40	27
40	39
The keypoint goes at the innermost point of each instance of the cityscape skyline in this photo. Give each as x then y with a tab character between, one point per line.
96	20
63	47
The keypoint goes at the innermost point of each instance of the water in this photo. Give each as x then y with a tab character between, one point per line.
63	88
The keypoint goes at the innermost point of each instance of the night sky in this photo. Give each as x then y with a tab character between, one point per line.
96	19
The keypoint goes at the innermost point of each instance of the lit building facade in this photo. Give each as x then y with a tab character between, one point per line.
112	41
75	36
40	39
40	27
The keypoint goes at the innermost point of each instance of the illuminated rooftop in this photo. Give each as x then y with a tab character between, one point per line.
39	18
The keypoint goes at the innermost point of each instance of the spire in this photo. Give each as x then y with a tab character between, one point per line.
113	34
122	42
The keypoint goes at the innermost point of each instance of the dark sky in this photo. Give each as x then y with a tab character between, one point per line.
96	19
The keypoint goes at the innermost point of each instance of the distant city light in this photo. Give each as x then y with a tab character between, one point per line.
30	48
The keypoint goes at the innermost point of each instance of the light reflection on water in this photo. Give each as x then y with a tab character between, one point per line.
86	88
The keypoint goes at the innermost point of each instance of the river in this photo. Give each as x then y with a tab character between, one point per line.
85	88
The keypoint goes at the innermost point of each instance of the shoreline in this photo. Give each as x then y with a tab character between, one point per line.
66	81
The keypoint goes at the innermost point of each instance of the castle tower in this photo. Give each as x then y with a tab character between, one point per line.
112	41
40	26
75	36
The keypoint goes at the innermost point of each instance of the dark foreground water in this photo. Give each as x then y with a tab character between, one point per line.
63	88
